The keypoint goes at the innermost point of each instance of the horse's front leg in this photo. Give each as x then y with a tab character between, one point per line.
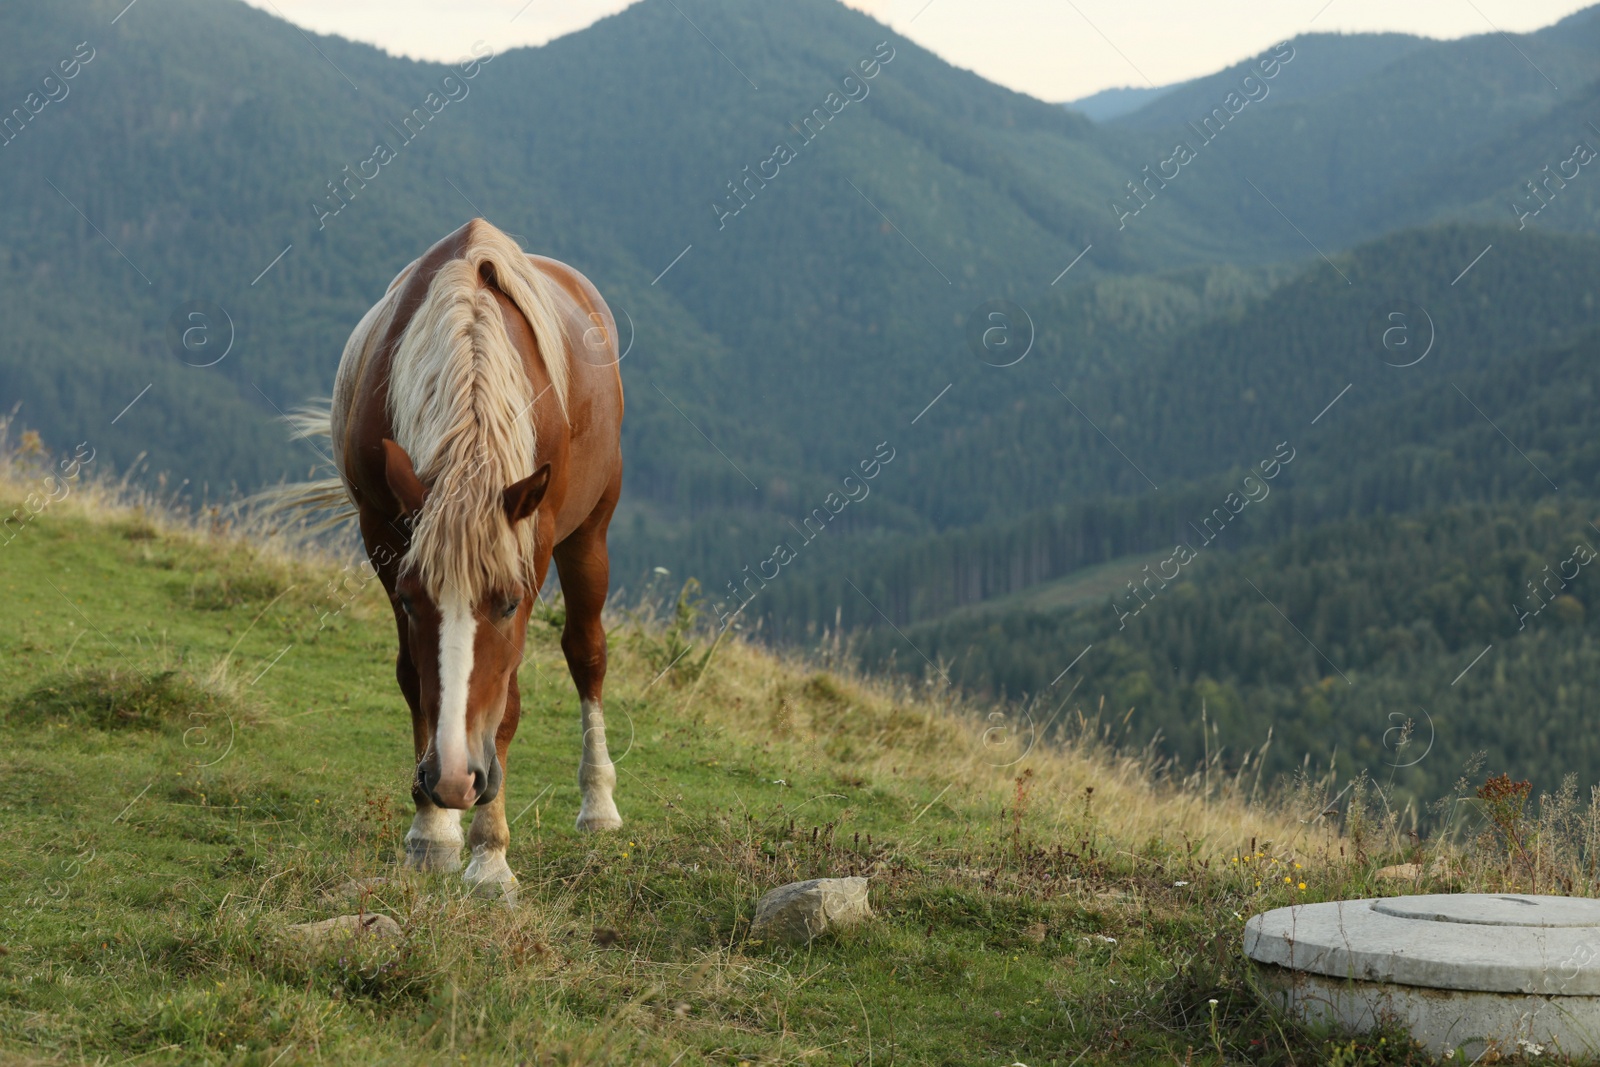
490	836
434	841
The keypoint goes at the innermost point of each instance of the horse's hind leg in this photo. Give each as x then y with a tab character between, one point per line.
585	574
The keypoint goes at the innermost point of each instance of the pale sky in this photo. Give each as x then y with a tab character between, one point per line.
1053	49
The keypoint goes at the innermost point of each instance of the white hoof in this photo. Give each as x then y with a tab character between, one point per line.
489	876
422	855
599	816
434	841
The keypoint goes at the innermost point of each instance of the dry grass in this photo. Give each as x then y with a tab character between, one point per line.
883	729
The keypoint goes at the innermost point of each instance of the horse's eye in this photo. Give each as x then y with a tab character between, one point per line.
510	608
405	605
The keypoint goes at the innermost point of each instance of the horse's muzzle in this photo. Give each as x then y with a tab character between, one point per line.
457	791
478	786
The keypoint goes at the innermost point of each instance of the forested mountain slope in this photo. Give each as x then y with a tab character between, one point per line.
1358	135
1193	412
1380	613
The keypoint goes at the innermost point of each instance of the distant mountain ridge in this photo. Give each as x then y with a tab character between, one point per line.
1329	63
1108	104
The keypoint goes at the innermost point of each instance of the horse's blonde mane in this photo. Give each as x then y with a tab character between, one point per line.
461	405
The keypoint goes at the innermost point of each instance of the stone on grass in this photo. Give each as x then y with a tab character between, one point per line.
357	887
1400	872
371	926
1410	872
797	912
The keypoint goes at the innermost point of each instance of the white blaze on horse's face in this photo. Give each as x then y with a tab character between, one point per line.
458	627
464	655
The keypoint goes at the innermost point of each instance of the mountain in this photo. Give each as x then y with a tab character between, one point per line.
1108	104
1328	641
833	252
1534	174
1196	406
156	184
1408	534
1359	135
1324	64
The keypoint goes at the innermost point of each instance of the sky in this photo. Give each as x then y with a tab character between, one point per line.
1056	50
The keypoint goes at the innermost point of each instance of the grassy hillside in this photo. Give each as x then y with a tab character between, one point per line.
202	743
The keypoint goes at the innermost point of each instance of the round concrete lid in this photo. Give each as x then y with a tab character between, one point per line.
1500	943
1485	909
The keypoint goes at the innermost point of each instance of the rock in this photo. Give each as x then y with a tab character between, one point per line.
800	911
357	887
375	926
1410	872
1400	872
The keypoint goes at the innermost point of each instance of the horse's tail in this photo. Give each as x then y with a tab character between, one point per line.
308	507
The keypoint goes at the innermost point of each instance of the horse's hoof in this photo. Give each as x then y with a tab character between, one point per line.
588	824
489	877
425	855
434	841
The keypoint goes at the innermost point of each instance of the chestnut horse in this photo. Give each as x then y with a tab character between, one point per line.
475	426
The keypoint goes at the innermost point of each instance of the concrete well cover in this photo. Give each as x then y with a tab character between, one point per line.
1502	943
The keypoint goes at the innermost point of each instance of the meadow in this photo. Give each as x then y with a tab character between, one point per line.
202	744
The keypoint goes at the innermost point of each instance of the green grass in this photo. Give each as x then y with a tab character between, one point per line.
201	743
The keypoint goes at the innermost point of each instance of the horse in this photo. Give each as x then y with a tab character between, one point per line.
475	427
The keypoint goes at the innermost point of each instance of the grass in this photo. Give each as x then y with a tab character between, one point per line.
202	743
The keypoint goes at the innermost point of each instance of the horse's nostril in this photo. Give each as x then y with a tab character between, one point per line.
480	782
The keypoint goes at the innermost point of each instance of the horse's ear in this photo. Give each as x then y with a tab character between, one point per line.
521	498
407	488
